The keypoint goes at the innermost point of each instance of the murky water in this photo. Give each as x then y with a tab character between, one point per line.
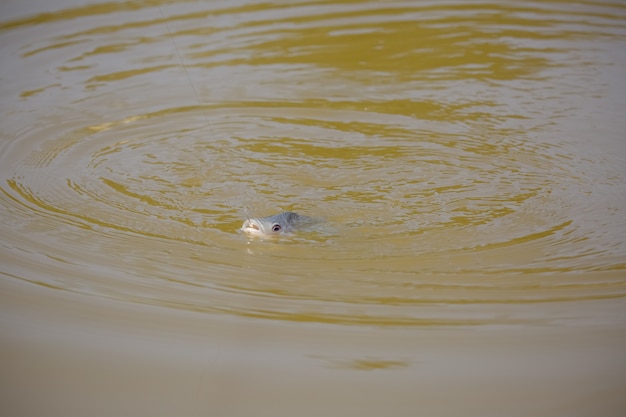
467	159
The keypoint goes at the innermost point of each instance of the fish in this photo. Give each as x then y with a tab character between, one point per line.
280	224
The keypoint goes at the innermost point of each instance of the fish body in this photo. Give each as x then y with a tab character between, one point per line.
276	225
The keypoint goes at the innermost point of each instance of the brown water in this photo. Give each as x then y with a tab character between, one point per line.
469	160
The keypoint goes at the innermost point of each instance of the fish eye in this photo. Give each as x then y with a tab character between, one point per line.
276	228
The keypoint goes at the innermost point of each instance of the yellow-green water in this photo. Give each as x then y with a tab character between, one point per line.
467	157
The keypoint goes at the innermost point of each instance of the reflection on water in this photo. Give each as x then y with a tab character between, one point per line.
442	144
468	160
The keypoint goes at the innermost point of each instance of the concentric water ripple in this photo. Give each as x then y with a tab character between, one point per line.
455	172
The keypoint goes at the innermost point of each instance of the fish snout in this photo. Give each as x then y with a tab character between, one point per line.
251	227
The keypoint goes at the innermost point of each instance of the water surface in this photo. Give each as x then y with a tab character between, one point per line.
468	159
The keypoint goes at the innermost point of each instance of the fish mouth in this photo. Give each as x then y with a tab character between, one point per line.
250	227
